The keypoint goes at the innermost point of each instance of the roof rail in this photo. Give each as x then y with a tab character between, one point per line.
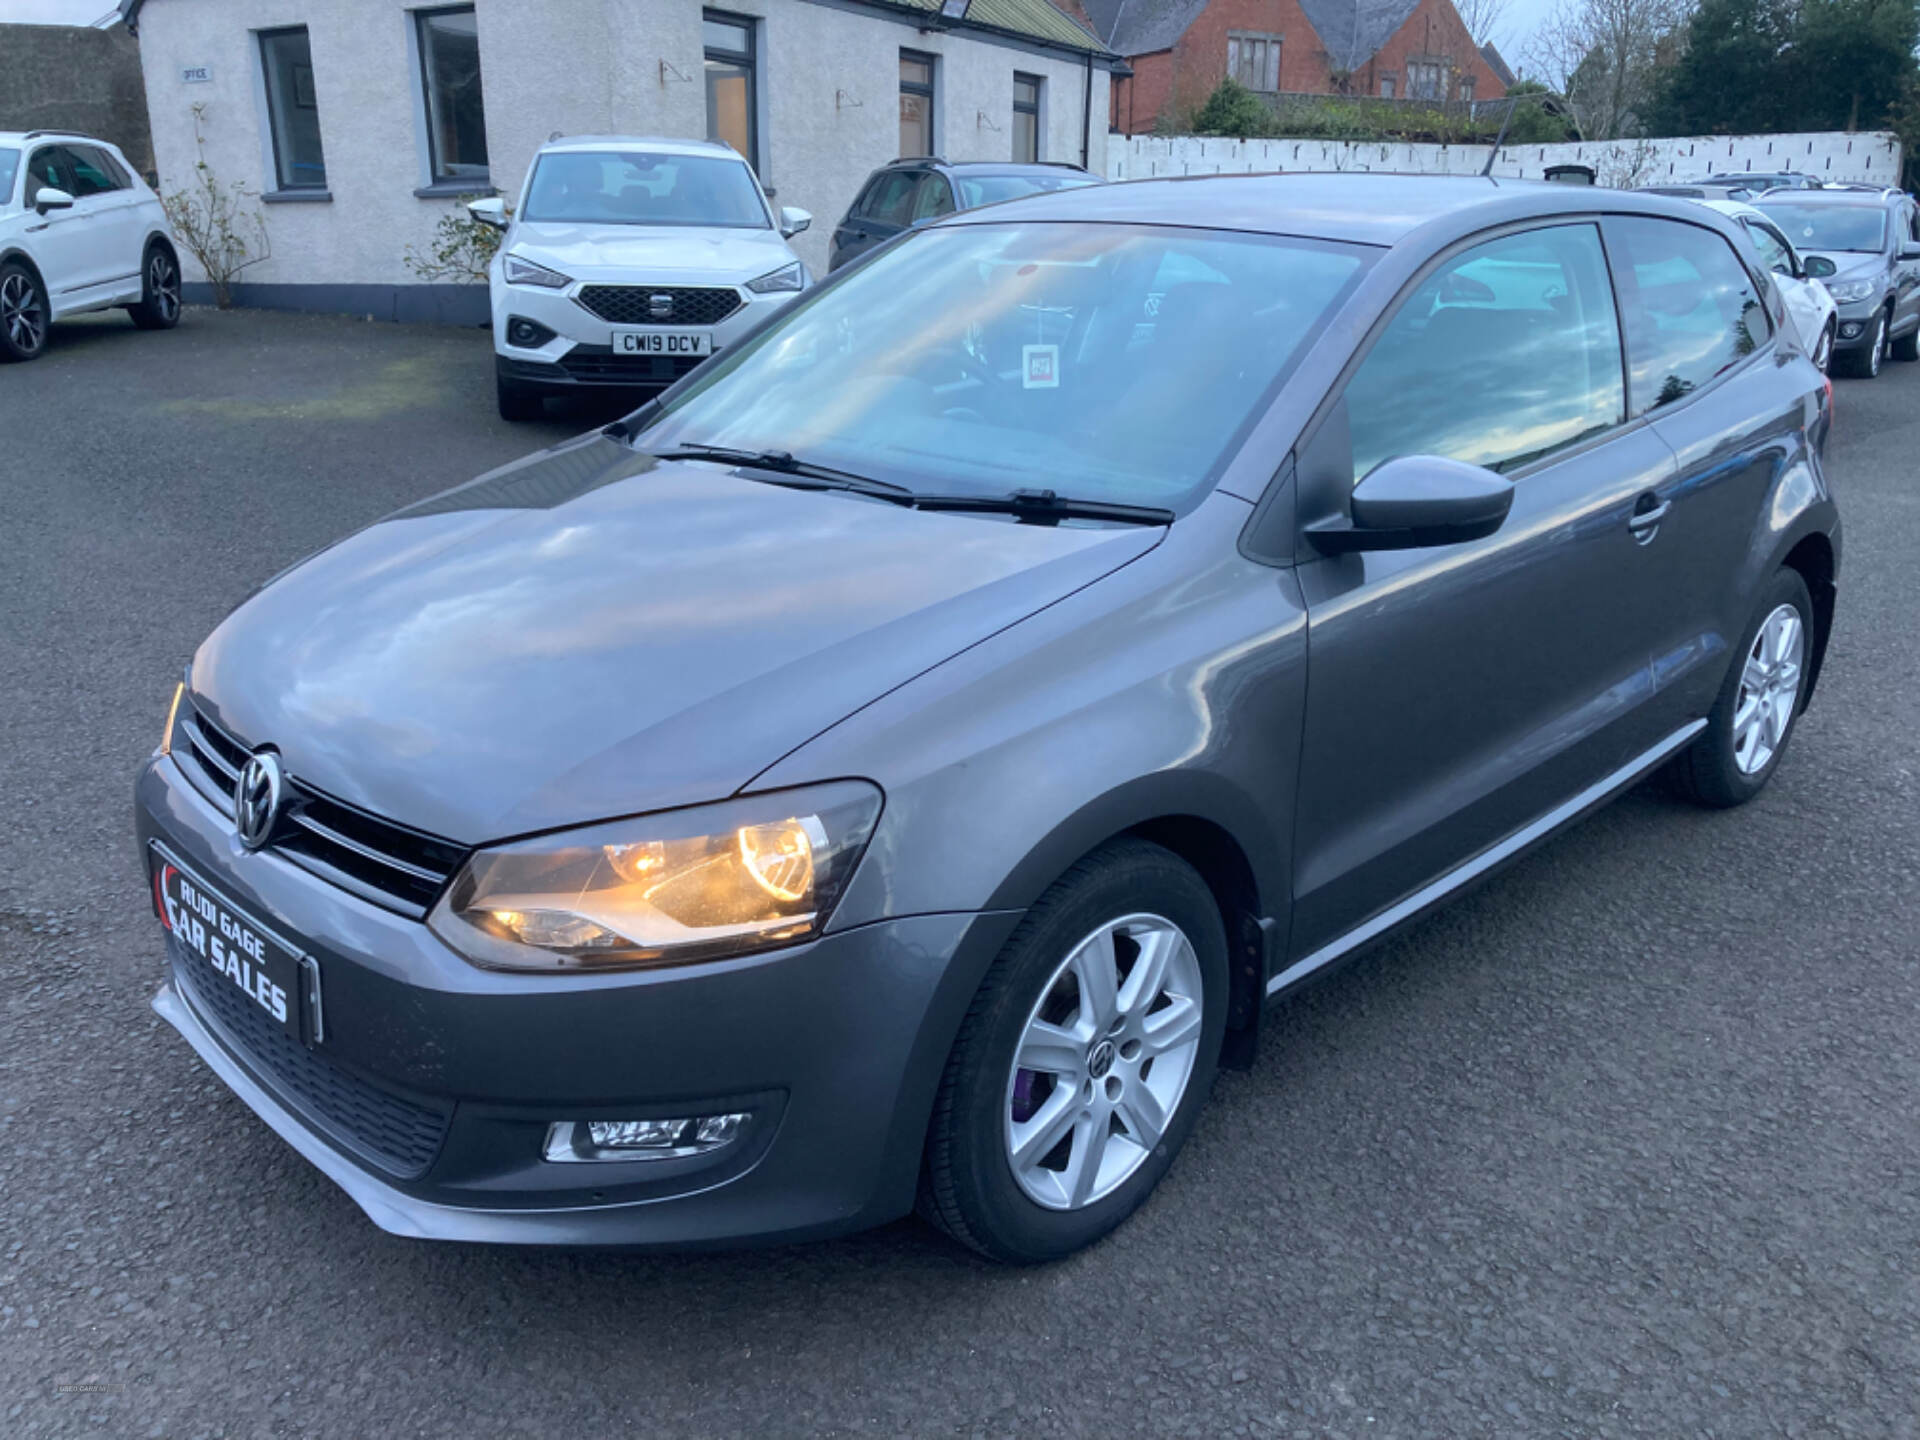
68	134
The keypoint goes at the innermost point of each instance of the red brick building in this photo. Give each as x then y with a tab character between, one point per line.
1181	49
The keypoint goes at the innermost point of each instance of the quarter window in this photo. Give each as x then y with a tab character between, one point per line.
916	104
1508	352
933	199
1026	117
450	76
732	96
1690	307
890	202
293	110
1253	59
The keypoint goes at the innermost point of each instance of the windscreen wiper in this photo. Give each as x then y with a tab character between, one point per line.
1044	507
804	474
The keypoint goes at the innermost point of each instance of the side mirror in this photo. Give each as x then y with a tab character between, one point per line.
1417	501
1818	267
490	211
793	221
47	198
1908	251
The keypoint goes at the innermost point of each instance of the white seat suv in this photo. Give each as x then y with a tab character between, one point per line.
629	261
79	230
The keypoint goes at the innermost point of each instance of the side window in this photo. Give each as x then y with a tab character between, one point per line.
47	170
94	171
933	199
1690	307
892	199
1772	249
1508	352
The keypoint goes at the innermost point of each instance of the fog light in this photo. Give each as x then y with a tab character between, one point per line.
527	334
1851	330
669	1139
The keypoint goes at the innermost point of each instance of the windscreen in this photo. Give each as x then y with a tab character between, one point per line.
1108	362
978	190
1830	227
631	187
9	168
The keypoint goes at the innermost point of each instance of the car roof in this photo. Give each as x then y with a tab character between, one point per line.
21	137
1367	208
659	144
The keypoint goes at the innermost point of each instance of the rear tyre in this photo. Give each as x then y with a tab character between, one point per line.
159	304
1759	703
1907	347
1083	1061
519	403
24	313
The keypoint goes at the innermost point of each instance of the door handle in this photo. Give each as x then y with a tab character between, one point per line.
1648	512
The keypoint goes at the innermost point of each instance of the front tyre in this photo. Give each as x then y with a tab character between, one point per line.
159	305
1759	703
1084	1060
24	313
1823	350
1907	347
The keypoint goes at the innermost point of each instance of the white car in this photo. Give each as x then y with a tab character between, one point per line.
629	261
79	230
1809	306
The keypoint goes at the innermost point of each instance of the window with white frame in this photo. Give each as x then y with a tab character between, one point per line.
293	110
1253	58
1466	87
1426	80
1026	116
1386	87
449	42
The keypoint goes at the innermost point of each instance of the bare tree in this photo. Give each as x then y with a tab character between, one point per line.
1602	54
1480	16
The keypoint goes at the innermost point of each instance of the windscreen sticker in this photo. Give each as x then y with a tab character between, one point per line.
1040	367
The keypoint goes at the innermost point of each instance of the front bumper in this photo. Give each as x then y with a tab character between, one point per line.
430	1099
580	353
1854	325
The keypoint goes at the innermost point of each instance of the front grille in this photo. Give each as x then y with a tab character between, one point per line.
392	865
596	365
633	304
399	1135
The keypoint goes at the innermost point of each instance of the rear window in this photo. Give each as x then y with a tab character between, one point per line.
1689	306
978	190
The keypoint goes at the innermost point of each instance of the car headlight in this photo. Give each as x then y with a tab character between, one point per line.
525	272
787	277
665	889
1846	291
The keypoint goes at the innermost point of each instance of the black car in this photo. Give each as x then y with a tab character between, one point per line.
906	193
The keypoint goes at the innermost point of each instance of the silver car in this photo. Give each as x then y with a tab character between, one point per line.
1872	239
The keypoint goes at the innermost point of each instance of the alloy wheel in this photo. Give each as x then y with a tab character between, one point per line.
163	285
1877	354
1104	1061
22	315
1769	689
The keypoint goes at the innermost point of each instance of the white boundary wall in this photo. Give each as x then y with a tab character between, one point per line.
1871	157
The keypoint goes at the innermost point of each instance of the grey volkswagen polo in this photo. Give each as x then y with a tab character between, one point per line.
896	765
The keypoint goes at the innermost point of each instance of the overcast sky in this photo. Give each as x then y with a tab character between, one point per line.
53	12
1521	19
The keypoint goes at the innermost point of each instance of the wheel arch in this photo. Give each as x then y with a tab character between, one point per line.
1812	557
39	277
1216	829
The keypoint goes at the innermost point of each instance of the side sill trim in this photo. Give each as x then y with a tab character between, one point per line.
1433	893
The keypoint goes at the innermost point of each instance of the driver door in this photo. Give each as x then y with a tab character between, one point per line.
1459	693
